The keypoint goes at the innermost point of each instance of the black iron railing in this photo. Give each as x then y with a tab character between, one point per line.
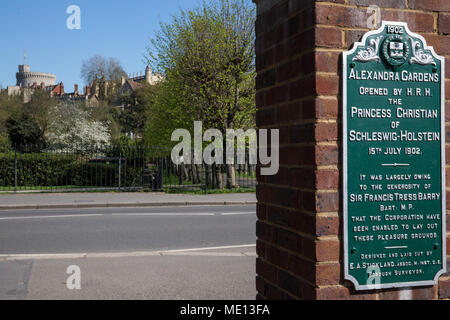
121	168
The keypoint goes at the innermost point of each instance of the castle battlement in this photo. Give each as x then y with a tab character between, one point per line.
26	78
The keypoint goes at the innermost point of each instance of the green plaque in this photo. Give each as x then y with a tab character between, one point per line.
394	160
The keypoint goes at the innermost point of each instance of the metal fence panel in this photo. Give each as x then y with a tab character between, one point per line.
121	168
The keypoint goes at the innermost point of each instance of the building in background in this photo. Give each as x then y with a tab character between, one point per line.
136	81
28	82
26	78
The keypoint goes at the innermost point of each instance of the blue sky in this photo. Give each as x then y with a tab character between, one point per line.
111	28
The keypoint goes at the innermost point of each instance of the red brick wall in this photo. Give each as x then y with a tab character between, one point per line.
299	229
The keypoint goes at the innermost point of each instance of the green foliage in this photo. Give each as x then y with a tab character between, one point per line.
128	148
25	123
137	106
54	119
24	131
53	169
5	144
39	107
208	191
123	141
9	107
107	114
169	112
207	58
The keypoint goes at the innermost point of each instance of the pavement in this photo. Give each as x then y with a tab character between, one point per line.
222	274
106	200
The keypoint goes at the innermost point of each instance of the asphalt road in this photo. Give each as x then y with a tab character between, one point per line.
125	229
204	252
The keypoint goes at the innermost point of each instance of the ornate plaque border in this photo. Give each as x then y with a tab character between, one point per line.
371	54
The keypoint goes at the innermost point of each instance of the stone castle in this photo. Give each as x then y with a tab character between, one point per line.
28	81
26	78
135	81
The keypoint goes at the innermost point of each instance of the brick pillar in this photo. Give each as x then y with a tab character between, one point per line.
299	45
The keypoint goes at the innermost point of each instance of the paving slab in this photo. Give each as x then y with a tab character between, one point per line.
220	275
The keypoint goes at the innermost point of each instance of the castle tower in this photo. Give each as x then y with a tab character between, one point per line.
25	78
148	75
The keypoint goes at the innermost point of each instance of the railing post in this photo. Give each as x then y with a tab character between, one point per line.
15	168
160	173
120	166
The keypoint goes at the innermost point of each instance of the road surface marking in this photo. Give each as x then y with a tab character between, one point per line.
162	214
236	213
34	207
51	217
187	214
178	252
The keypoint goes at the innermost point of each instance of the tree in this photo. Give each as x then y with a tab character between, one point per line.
207	57
99	67
39	107
24	132
71	125
169	111
11	108
209	51
9	105
136	110
106	114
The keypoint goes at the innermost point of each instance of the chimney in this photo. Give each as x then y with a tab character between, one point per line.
87	91
62	88
75	92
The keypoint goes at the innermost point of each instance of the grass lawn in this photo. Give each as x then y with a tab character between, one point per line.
209	191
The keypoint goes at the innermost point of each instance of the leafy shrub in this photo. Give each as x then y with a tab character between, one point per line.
52	170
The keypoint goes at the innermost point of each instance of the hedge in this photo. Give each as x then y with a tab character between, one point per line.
46	170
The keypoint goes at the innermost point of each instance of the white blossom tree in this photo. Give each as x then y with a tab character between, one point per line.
71	125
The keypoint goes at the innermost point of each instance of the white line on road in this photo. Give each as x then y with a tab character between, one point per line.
51	217
155	214
236	213
179	252
163	214
112	206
